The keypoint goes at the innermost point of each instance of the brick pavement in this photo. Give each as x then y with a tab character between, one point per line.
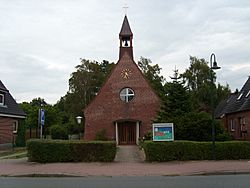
16	167
128	162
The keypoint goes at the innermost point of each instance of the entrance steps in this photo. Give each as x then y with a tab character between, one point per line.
129	153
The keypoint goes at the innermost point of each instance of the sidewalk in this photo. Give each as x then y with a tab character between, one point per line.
20	167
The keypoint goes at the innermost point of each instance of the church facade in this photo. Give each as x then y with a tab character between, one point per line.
126	105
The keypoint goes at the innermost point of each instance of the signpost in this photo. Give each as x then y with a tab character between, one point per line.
42	121
163	132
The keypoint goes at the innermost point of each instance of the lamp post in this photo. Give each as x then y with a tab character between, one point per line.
79	120
213	66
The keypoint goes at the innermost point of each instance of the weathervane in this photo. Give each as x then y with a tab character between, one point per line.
176	75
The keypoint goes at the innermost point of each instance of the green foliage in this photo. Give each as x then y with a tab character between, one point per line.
32	109
200	80
101	135
152	74
194	126
20	139
175	103
189	150
84	84
197	126
58	132
45	151
148	136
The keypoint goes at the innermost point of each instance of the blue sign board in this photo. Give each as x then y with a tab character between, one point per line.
163	132
42	116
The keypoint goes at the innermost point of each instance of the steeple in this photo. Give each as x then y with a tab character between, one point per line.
126	37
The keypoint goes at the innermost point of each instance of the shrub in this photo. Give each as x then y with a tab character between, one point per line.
58	132
148	135
191	150
44	151
20	139
197	126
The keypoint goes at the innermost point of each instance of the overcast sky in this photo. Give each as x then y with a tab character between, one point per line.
41	42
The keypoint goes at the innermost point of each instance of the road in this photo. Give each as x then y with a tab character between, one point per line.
219	181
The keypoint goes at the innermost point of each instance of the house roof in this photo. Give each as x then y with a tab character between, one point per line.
2	87
125	30
236	102
10	107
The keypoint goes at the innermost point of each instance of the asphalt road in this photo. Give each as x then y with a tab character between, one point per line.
220	181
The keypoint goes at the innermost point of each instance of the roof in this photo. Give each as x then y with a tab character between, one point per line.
236	102
10	108
2	87
125	30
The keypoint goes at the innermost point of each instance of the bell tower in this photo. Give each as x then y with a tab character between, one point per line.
126	37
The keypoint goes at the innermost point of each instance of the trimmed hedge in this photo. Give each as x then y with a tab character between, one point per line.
44	151
191	150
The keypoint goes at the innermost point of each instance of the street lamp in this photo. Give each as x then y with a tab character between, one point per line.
79	120
213	66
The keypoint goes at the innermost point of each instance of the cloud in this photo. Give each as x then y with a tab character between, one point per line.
42	41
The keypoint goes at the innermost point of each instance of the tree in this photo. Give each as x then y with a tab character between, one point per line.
84	84
176	102
152	74
198	78
32	110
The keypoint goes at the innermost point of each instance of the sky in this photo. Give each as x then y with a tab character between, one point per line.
41	42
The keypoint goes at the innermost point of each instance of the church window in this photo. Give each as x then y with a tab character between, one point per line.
127	94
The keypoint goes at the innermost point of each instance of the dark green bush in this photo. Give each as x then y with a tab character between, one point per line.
191	150
20	139
59	132
44	151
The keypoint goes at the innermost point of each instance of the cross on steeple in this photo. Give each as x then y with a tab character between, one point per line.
125	8
176	75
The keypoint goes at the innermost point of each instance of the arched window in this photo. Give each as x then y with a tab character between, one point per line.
127	94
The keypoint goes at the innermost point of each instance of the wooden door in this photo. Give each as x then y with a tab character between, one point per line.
127	133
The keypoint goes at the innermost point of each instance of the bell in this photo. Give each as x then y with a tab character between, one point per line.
126	43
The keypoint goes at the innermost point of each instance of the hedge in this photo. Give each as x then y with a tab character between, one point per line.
191	150
45	151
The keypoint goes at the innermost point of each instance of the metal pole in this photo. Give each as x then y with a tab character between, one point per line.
38	123
41	131
212	106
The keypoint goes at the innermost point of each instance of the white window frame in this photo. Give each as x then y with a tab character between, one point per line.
15	126
127	94
232	125
2	102
239	97
242	121
248	93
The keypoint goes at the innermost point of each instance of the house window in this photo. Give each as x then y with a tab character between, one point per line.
127	94
242	121
232	125
15	126
1	99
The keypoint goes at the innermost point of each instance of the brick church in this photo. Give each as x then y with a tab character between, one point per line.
126	105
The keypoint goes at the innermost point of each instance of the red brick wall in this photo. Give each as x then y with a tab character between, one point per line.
6	130
107	106
237	133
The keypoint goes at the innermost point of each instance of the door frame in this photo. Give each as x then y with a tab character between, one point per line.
137	130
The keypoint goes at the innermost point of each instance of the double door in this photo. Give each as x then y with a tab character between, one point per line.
127	133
